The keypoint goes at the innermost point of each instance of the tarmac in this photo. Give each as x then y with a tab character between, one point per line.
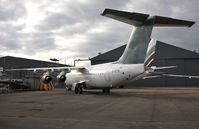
137	108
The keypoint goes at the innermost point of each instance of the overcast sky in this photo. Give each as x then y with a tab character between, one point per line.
68	29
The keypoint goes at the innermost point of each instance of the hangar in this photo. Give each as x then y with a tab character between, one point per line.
10	62
30	79
187	63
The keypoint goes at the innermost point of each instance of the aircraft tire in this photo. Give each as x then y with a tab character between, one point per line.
106	90
78	90
68	88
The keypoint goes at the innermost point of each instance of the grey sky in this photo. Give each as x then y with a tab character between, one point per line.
74	29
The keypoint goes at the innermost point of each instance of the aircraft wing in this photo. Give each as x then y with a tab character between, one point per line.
80	69
183	76
153	69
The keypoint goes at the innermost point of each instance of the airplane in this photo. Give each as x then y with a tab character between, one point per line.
132	65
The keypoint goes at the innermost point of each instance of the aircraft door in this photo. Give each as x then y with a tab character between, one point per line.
93	82
107	76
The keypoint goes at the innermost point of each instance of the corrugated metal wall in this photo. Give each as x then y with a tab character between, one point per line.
187	63
184	67
9	62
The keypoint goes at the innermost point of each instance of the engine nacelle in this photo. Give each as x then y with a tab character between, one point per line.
46	78
67	70
62	76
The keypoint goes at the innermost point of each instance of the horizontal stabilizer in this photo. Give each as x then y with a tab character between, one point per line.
135	19
149	77
139	19
166	21
182	76
160	68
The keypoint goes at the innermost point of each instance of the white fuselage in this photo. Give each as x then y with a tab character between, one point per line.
105	75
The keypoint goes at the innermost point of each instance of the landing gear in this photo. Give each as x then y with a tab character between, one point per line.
78	89
121	87
68	88
106	91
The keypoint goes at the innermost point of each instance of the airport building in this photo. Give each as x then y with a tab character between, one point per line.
187	63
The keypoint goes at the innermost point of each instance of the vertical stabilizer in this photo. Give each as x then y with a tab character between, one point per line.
136	49
150	55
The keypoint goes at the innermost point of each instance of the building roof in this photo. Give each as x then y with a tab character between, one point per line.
111	55
18	62
163	51
167	51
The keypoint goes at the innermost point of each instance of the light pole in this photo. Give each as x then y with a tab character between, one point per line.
80	60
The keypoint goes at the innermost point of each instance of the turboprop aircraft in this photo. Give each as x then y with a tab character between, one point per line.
132	65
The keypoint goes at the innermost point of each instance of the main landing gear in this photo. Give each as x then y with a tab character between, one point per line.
68	88
78	89
106	91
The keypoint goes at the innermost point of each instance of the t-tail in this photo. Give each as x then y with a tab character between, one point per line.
136	51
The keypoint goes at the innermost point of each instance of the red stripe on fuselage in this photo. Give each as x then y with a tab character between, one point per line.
149	59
